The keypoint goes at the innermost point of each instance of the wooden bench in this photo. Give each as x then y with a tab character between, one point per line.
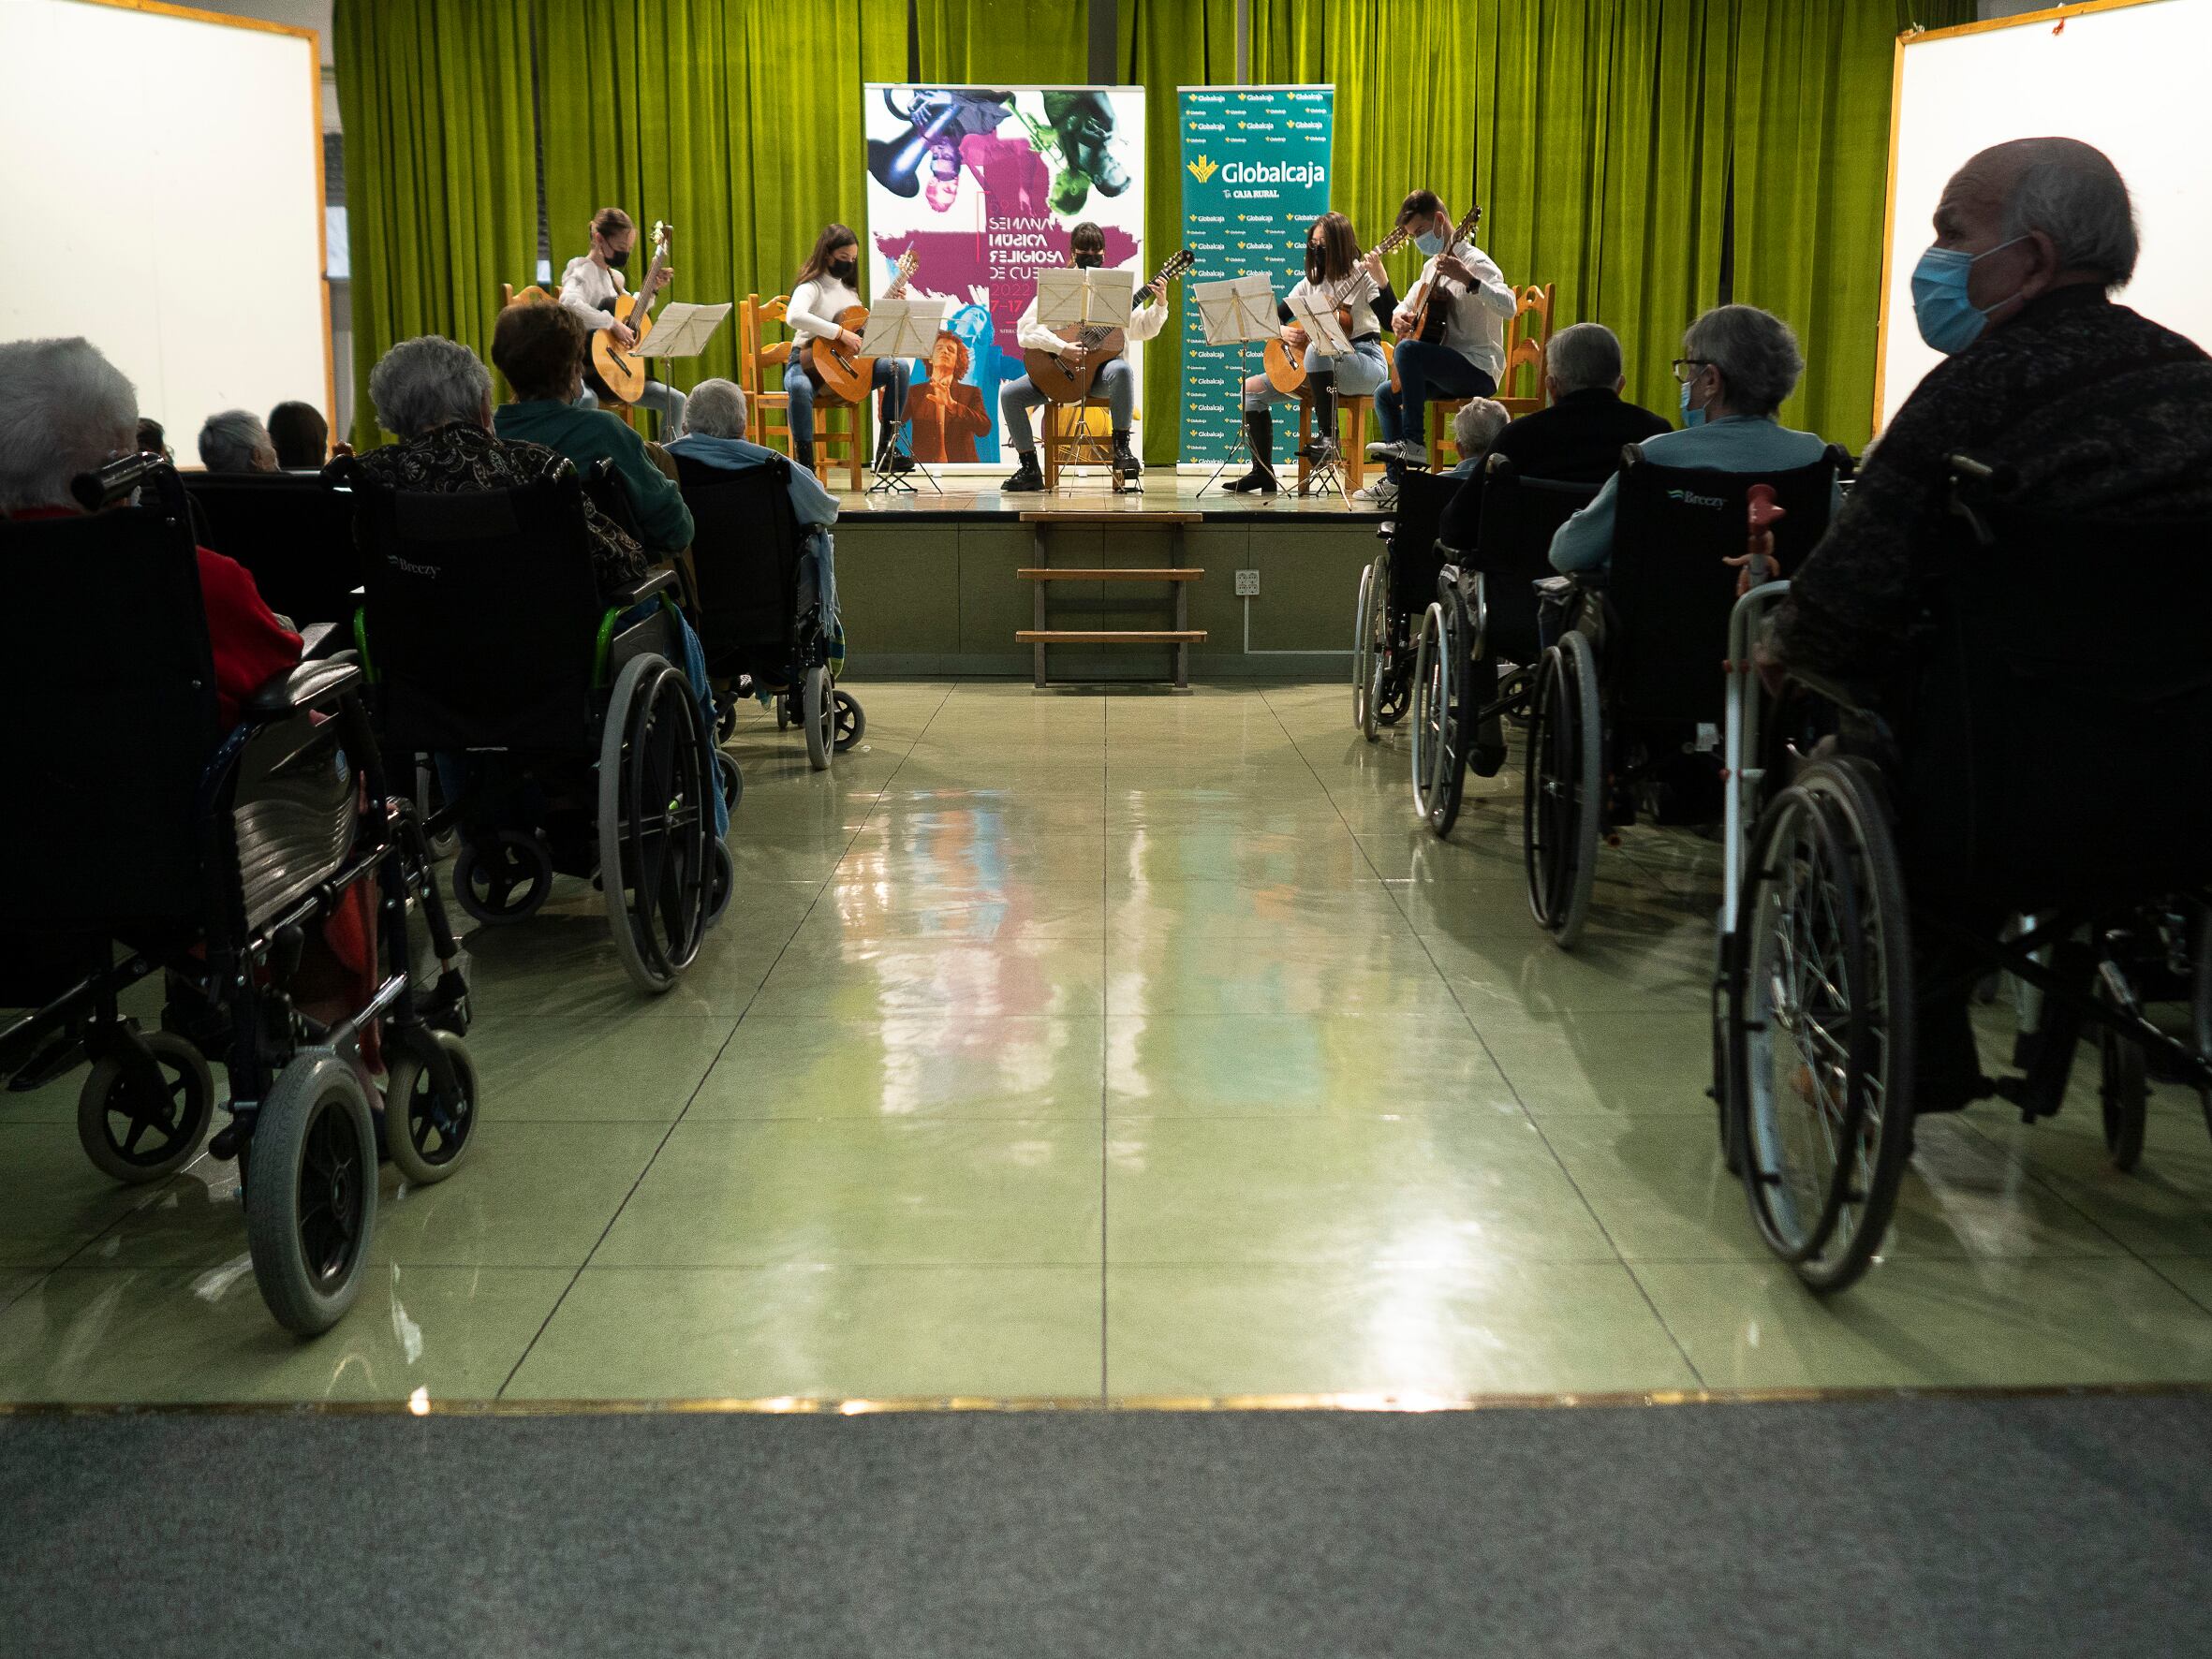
1176	575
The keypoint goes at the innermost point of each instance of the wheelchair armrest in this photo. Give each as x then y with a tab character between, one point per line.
312	685
663	581
320	641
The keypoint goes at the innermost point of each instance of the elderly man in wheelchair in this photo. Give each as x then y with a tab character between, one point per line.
1976	724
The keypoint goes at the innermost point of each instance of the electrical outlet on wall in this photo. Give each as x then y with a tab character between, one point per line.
1247	584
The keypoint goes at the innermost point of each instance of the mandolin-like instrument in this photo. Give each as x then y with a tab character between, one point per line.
1285	369
845	374
1063	382
1430	319
619	367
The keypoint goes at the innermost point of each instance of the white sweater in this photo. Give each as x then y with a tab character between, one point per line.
815	307
590	290
1145	321
1476	328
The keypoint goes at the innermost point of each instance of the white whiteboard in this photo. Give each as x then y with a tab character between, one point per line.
160	178
2130	81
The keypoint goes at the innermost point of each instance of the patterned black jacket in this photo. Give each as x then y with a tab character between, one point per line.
2098	411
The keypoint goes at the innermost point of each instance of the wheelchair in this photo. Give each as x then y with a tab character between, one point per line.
153	840
584	750
1874	844
1484	617
759	637
1624	709
291	532
1395	593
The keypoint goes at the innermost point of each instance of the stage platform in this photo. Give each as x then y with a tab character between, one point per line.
928	584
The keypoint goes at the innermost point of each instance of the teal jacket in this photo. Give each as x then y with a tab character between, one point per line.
585	435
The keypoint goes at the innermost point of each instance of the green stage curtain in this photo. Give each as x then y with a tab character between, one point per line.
736	121
1003	42
441	182
1163	45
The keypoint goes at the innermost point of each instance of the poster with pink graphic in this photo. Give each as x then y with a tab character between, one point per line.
983	186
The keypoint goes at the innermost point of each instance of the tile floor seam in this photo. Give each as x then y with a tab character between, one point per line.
2018	1159
727	1037
1105	1047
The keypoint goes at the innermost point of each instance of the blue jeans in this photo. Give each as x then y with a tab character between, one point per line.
891	404
1356	374
664	401
1423	371
1116	383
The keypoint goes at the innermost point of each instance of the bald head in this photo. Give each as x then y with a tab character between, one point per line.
2050	213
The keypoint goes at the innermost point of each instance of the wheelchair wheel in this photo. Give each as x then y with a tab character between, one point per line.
655	824
429	799
1562	796
311	1192
725	717
1449	786
503	879
816	713
1362	652
2123	1094
1432	711
138	1121
1820	1032
721	880
849	722
732	780
426	1133
2200	1004
783	711
1377	657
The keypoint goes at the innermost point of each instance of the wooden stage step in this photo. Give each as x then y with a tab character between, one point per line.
1111	636
1134	517
1179	573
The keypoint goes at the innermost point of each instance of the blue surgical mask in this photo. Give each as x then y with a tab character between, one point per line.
1430	243
1949	321
1690	417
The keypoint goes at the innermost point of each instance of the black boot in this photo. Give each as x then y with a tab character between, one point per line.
1259	433
1027	477
1324	419
1126	464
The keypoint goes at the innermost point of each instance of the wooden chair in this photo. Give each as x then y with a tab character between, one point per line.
1526	339
1354	448
771	411
1074	442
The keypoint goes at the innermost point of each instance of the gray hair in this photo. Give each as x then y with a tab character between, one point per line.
1476	426
1755	351
235	441
716	409
1583	356
2072	193
64	409
428	381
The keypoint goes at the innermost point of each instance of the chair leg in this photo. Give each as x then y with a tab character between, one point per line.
1304	442
854	458
1353	412
1051	423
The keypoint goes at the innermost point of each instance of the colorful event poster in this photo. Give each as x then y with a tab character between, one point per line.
1255	176
983	184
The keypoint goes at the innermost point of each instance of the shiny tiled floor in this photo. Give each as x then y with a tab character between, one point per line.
1130	1044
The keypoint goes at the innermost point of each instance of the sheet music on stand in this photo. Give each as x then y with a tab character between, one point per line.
1316	315
1237	311
1086	298
683	331
902	327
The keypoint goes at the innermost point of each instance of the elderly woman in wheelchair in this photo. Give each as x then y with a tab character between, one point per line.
233	839
2012	762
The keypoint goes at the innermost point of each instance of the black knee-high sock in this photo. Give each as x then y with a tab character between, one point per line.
1324	403
1259	430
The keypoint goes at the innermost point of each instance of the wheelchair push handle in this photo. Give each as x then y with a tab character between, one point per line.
97	491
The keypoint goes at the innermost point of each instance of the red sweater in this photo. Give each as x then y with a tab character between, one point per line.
251	647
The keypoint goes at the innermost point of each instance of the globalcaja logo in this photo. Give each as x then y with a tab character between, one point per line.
1204	168
1263	172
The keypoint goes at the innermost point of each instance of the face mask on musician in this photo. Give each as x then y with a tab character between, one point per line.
1430	243
616	261
1086	260
845	265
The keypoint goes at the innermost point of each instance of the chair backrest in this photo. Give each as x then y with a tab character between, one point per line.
1520	516
754	352
109	688
1529	336
290	530
1669	591
482	615
745	552
1414	561
2059	731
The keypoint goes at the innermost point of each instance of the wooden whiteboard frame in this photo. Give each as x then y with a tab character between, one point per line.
2055	15
322	219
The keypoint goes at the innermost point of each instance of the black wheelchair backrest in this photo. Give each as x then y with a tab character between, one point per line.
606	490
1669	593
2059	735
292	533
109	692
1413	557
744	551
482	615
1520	516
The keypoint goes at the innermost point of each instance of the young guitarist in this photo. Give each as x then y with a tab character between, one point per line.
1476	303
826	289
1115	382
1336	271
591	286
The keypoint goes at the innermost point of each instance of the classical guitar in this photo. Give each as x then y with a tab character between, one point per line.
1429	318
619	367
1286	370
1063	382
845	374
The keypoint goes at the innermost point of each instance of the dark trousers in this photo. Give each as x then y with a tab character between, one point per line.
1426	371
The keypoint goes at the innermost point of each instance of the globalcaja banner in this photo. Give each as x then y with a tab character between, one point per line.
1255	177
983	186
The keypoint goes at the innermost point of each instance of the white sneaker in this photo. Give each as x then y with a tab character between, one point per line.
1407	451
1383	449
1382	494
